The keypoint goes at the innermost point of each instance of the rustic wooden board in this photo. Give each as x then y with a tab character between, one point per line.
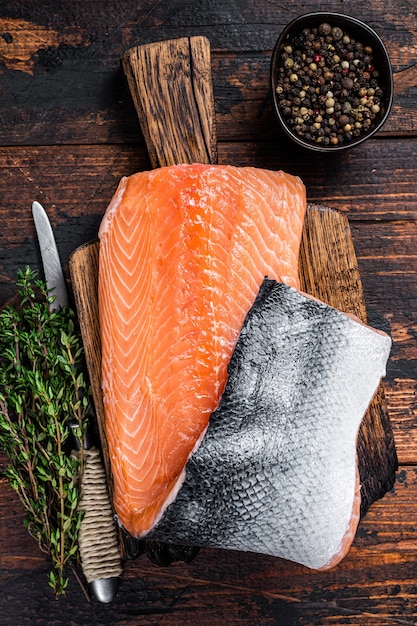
172	90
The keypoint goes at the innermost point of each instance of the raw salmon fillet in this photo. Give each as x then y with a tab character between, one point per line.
277	471
183	252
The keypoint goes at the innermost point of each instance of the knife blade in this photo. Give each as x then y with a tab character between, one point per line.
98	544
51	262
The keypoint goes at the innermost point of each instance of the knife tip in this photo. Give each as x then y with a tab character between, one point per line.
36	205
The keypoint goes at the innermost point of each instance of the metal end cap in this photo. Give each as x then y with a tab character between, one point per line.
105	589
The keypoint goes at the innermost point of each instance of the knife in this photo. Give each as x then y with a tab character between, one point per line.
98	543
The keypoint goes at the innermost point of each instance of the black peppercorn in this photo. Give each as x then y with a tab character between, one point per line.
325	29
337	33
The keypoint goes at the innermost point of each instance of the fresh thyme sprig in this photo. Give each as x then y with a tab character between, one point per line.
43	406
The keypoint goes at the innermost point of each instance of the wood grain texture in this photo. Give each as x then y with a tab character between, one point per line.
67	57
83	266
171	87
373	585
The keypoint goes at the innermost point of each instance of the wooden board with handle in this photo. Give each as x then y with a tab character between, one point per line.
171	87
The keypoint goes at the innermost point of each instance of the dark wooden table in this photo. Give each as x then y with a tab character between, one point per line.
68	132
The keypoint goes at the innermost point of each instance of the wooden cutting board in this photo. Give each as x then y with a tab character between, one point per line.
171	87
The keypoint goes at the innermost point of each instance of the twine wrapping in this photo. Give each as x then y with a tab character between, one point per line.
98	543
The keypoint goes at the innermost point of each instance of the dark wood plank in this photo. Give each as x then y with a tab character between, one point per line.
374	584
68	59
99	109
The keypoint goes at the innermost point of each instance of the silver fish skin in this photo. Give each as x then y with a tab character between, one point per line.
276	472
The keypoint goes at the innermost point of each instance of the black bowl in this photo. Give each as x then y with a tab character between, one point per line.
361	33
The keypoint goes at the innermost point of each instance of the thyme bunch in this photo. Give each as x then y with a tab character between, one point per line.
43	407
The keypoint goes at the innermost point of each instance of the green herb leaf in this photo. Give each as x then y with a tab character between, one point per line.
42	391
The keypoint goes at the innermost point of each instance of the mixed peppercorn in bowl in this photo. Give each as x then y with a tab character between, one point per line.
331	81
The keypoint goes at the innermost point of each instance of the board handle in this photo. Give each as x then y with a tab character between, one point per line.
171	87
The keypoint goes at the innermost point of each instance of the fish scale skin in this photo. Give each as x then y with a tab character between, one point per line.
276	470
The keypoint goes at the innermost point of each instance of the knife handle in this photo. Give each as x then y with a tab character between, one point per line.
98	538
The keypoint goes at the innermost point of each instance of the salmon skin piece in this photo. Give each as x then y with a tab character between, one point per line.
183	252
276	472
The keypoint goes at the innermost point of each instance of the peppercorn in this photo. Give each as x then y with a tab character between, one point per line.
337	33
347	82
343	120
327	86
325	29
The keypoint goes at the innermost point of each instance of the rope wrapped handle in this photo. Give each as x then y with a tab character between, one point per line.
98	539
